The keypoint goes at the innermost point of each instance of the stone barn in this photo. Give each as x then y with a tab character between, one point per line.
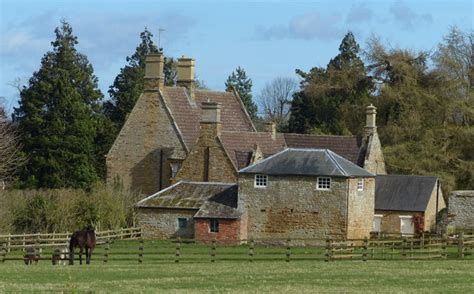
200	210
406	204
307	193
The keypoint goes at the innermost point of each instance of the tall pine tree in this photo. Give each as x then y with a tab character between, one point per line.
243	85
332	99
128	85
57	117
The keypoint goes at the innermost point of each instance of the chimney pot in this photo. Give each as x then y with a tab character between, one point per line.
186	74
211	117
270	127
154	77
371	112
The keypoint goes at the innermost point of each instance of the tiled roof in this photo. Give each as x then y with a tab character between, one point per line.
403	193
315	162
346	146
187	113
185	195
240	145
222	205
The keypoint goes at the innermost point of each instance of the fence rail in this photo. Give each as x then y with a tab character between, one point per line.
188	250
46	240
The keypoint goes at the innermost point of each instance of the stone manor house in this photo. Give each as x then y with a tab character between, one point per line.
210	174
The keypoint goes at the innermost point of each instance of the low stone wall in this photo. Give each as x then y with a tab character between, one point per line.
461	210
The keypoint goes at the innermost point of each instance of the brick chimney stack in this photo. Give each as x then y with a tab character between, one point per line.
370	126
211	118
270	127
154	77
186	75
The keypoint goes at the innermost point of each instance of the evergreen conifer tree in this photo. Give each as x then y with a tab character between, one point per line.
57	117
243	85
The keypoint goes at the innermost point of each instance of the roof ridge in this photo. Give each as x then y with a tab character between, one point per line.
330	154
317	135
209	183
266	159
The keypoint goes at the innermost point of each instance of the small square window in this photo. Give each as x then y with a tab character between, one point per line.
214	226
261	181
360	184
324	183
182	223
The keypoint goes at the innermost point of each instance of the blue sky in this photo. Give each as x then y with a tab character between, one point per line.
267	38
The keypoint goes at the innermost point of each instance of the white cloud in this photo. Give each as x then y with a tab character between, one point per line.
408	18
306	27
359	13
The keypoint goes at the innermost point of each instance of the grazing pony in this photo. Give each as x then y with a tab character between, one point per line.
30	256
84	239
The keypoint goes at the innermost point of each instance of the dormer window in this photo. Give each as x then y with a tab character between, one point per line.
261	181
324	183
174	168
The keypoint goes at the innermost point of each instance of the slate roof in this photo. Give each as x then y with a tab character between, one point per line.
315	162
186	112
403	193
211	200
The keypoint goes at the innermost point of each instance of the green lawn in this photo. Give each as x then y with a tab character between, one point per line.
194	273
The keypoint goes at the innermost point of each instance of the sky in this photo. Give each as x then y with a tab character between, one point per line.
268	39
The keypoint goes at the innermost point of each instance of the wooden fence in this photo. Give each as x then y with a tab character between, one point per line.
187	250
57	240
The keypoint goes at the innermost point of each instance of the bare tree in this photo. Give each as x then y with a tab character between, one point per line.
10	158
276	99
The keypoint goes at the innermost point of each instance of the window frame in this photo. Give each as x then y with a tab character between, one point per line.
321	187
180	220
360	184
213	225
259	179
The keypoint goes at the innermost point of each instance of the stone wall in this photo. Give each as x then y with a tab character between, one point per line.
163	223
361	209
229	230
219	166
391	221
145	143
461	210
291	207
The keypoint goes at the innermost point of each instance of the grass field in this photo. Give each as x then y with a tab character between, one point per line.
200	275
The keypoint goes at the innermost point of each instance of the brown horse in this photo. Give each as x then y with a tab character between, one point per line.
84	239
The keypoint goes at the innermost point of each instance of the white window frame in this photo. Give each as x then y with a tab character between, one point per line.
360	184
260	181
320	185
211	226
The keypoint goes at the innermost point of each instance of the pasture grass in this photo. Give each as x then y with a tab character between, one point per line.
195	273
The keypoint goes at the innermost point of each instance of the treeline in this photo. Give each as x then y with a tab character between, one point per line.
424	100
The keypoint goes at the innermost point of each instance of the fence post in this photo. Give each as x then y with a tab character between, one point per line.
251	246
140	252
178	248
364	254
288	250
422	242
24	243
461	245
444	246
404	245
4	252
9	242
411	248
213	250
106	251
328	250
